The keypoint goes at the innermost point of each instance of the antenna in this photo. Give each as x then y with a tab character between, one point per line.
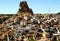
49	10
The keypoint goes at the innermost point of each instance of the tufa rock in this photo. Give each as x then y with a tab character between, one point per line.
24	8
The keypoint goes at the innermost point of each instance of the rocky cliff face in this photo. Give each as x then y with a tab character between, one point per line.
23	7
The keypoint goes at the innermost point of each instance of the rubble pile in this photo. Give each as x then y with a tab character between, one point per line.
27	27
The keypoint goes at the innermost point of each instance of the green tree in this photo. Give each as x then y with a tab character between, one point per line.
58	13
31	39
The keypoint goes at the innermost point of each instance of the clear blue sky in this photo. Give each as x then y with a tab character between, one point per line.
38	6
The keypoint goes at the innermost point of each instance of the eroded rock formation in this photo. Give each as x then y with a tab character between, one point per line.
23	7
